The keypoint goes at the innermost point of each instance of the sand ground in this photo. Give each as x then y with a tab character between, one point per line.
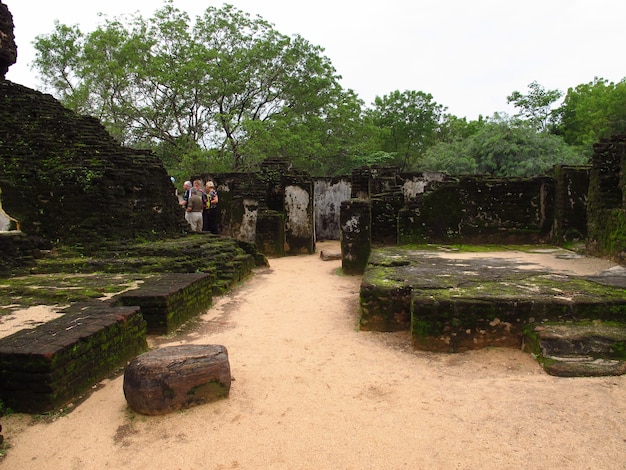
311	391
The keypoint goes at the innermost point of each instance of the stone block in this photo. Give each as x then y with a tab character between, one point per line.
176	377
43	368
168	300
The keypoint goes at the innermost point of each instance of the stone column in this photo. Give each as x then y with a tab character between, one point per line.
356	235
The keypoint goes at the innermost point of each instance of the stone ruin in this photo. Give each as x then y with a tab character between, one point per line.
64	180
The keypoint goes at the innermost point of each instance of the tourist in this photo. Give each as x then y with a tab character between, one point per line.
186	188
211	205
193	214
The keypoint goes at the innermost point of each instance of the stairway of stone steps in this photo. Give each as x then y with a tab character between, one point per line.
579	349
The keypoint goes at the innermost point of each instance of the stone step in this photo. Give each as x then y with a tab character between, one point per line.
582	366
578	349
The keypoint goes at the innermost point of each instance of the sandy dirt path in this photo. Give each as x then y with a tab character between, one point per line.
311	391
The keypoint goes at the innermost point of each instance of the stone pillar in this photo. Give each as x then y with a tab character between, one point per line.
356	235
571	185
299	217
606	210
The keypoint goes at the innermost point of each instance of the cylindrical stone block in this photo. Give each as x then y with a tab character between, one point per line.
175	377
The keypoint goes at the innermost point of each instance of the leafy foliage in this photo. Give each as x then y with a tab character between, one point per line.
536	106
226	91
215	87
502	148
593	111
409	122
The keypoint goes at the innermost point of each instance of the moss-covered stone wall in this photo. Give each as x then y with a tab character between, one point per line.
43	368
606	209
570	204
64	178
480	210
252	204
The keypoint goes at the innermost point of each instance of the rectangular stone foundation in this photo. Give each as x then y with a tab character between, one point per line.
454	302
42	369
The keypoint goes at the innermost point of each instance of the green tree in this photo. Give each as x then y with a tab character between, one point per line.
536	106
453	129
322	142
593	111
59	63
409	122
206	91
503	148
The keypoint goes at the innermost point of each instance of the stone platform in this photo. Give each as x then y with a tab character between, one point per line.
453	301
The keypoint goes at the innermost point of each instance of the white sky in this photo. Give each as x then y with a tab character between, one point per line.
469	54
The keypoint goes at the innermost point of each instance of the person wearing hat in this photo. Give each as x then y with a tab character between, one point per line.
211	209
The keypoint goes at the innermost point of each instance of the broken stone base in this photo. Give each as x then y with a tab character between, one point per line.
579	349
176	377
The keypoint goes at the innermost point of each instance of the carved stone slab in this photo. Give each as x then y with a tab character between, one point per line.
176	377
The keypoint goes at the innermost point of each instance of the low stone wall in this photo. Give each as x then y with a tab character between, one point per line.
44	368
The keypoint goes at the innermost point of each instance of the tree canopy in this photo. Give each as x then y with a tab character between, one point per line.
211	85
502	147
226	90
536	106
592	111
409	122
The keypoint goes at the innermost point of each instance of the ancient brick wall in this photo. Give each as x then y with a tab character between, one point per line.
480	210
8	48
252	207
64	178
43	368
